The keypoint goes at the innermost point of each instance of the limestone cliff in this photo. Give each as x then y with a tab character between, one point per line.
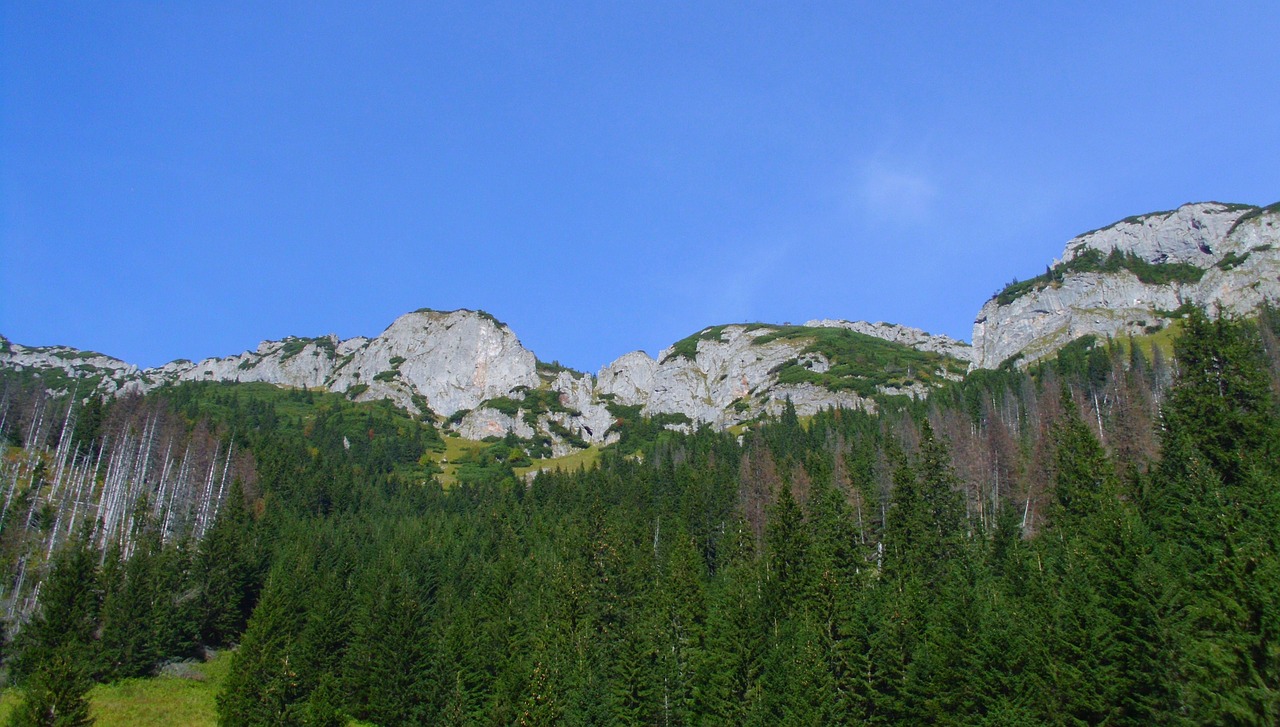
725	375
1132	277
472	372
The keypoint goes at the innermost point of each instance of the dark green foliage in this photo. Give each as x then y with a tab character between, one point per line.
294	346
925	525
148	609
1216	517
551	369
66	621
389	667
534	403
494	463
1222	401
125	648
688	347
1231	260
1110	625
1095	261
1254	214
263	686
89	419
1084	358
226	571
638	432
52	379
859	362
56	694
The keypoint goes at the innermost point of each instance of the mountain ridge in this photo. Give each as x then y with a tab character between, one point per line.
470	371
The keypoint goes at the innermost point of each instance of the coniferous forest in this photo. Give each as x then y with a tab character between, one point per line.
1095	540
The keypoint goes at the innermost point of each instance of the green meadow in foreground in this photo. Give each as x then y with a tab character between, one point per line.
167	701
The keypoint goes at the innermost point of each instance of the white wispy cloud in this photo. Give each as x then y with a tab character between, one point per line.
895	191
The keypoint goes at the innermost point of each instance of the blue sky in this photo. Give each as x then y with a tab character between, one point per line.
182	180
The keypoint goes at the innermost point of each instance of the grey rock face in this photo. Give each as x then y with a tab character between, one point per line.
729	380
725	371
461	360
578	393
452	360
1190	234
482	423
1238	248
291	362
117	376
447	361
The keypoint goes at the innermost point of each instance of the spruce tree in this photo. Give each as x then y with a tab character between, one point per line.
56	693
226	573
66	619
263	685
1110	639
1216	510
1221	401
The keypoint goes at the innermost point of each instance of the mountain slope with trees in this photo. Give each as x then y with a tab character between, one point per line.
1090	540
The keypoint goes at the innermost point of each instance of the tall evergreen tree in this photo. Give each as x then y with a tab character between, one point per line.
263	685
66	620
1221	402
1110	643
56	693
1216	510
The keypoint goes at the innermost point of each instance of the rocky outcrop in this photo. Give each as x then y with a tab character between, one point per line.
471	371
452	361
62	368
442	361
727	380
724	369
906	335
1131	278
296	362
726	375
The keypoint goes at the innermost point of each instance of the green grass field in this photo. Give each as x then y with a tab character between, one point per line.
582	459
456	450
164	701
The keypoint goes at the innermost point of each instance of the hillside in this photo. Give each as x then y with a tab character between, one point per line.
1079	524
840	522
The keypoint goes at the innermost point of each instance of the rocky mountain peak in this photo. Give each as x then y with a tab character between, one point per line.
451	360
1132	278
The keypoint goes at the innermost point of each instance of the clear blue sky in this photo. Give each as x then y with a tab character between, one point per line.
181	180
